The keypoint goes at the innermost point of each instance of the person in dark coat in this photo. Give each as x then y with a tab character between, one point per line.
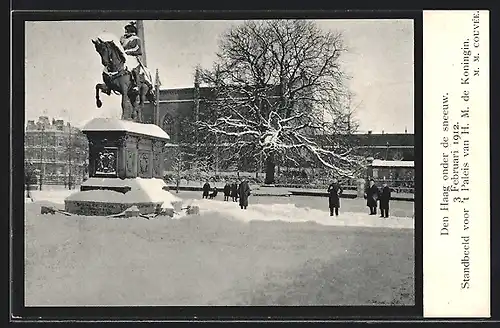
384	199
371	195
214	193
227	191
334	192
206	189
234	192
243	193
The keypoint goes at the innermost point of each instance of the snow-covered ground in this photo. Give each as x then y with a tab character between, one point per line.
294	214
262	212
55	196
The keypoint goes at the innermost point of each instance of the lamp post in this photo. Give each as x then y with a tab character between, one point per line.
157	97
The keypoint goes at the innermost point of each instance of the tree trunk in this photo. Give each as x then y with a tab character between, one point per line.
270	166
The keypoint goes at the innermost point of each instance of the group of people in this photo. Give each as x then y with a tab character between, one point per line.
240	193
372	195
237	192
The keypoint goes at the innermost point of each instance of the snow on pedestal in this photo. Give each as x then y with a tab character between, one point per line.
115	125
146	194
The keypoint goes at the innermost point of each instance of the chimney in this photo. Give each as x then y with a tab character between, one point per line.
382	131
43	121
59	125
369	131
31	125
406	130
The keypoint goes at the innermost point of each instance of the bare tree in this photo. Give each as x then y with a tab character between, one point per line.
348	115
185	164
275	83
201	168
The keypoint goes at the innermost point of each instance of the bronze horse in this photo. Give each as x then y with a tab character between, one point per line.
118	78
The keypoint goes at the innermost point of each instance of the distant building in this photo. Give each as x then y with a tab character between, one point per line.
400	175
58	150
386	146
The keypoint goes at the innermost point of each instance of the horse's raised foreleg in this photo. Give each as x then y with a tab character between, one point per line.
100	87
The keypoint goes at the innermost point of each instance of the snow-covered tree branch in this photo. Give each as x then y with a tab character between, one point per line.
279	90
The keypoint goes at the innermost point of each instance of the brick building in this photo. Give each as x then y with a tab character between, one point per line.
57	150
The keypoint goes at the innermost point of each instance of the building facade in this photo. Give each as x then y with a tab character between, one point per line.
57	151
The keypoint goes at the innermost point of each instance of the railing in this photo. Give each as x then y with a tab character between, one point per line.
398	186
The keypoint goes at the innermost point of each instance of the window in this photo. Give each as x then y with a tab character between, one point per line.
51	155
28	140
36	154
61	156
51	140
60	141
169	125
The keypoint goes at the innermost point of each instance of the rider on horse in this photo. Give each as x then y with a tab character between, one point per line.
131	43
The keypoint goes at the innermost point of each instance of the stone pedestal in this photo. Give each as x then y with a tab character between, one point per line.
124	149
123	156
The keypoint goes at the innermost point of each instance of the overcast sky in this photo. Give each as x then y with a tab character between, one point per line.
62	66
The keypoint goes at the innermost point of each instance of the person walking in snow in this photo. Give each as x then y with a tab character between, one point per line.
227	191
206	189
234	191
385	197
372	195
334	191
244	193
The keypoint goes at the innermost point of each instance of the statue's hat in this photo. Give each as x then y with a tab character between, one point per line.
131	26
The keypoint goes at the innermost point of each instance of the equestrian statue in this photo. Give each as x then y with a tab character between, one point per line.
124	72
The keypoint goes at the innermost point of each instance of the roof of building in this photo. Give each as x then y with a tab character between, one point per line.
384	163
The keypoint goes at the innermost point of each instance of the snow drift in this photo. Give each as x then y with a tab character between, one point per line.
141	191
294	214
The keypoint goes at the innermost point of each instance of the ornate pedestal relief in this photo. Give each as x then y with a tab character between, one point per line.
144	164
131	163
157	159
106	162
131	141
